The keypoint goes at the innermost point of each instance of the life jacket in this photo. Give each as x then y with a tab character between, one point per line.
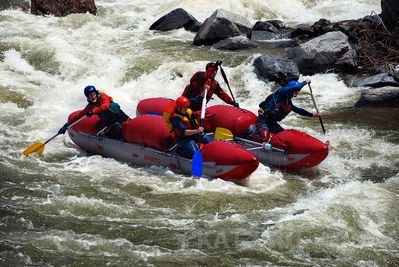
277	109
113	107
189	120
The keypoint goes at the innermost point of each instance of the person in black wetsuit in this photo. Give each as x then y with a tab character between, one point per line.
276	107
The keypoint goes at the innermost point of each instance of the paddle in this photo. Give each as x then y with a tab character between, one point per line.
315	105
223	133
225	79
196	165
39	147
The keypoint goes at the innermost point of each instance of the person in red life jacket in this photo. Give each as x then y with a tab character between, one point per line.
188	132
275	108
196	89
101	105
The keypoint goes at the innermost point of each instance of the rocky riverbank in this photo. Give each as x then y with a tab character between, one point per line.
365	51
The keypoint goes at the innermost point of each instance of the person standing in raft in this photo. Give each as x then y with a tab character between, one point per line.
186	127
101	105
196	89
276	107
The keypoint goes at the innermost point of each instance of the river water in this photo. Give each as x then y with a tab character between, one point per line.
66	207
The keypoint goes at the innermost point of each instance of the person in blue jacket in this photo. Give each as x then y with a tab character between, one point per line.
276	107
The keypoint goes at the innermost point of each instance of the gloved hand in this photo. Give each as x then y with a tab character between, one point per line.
63	129
89	113
236	104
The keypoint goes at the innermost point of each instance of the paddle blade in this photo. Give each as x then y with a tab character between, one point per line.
223	133
37	147
196	167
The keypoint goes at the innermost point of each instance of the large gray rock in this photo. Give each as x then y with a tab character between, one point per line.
390	13
62	8
378	80
178	18
382	97
221	25
330	51
235	43
281	71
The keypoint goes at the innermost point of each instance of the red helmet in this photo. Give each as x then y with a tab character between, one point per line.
182	101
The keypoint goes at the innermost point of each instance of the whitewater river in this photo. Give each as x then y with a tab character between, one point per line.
66	207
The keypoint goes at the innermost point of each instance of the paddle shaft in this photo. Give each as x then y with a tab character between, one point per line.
316	107
197	163
54	136
227	82
203	108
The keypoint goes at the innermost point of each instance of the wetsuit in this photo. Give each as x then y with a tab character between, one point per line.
275	108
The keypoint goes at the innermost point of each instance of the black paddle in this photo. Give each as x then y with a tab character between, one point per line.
317	109
219	63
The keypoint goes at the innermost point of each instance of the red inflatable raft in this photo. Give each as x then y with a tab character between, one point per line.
291	149
147	141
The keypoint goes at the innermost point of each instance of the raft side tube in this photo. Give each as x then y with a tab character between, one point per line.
148	130
152	106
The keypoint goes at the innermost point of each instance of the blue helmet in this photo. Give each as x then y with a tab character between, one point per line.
90	89
292	83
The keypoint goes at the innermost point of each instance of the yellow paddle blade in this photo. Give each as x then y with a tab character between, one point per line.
223	133
36	147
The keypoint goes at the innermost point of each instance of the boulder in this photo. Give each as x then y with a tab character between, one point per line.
62	8
378	80
281	71
277	23
266	35
178	18
235	43
269	30
302	31
221	25
381	97
390	13
264	26
330	51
